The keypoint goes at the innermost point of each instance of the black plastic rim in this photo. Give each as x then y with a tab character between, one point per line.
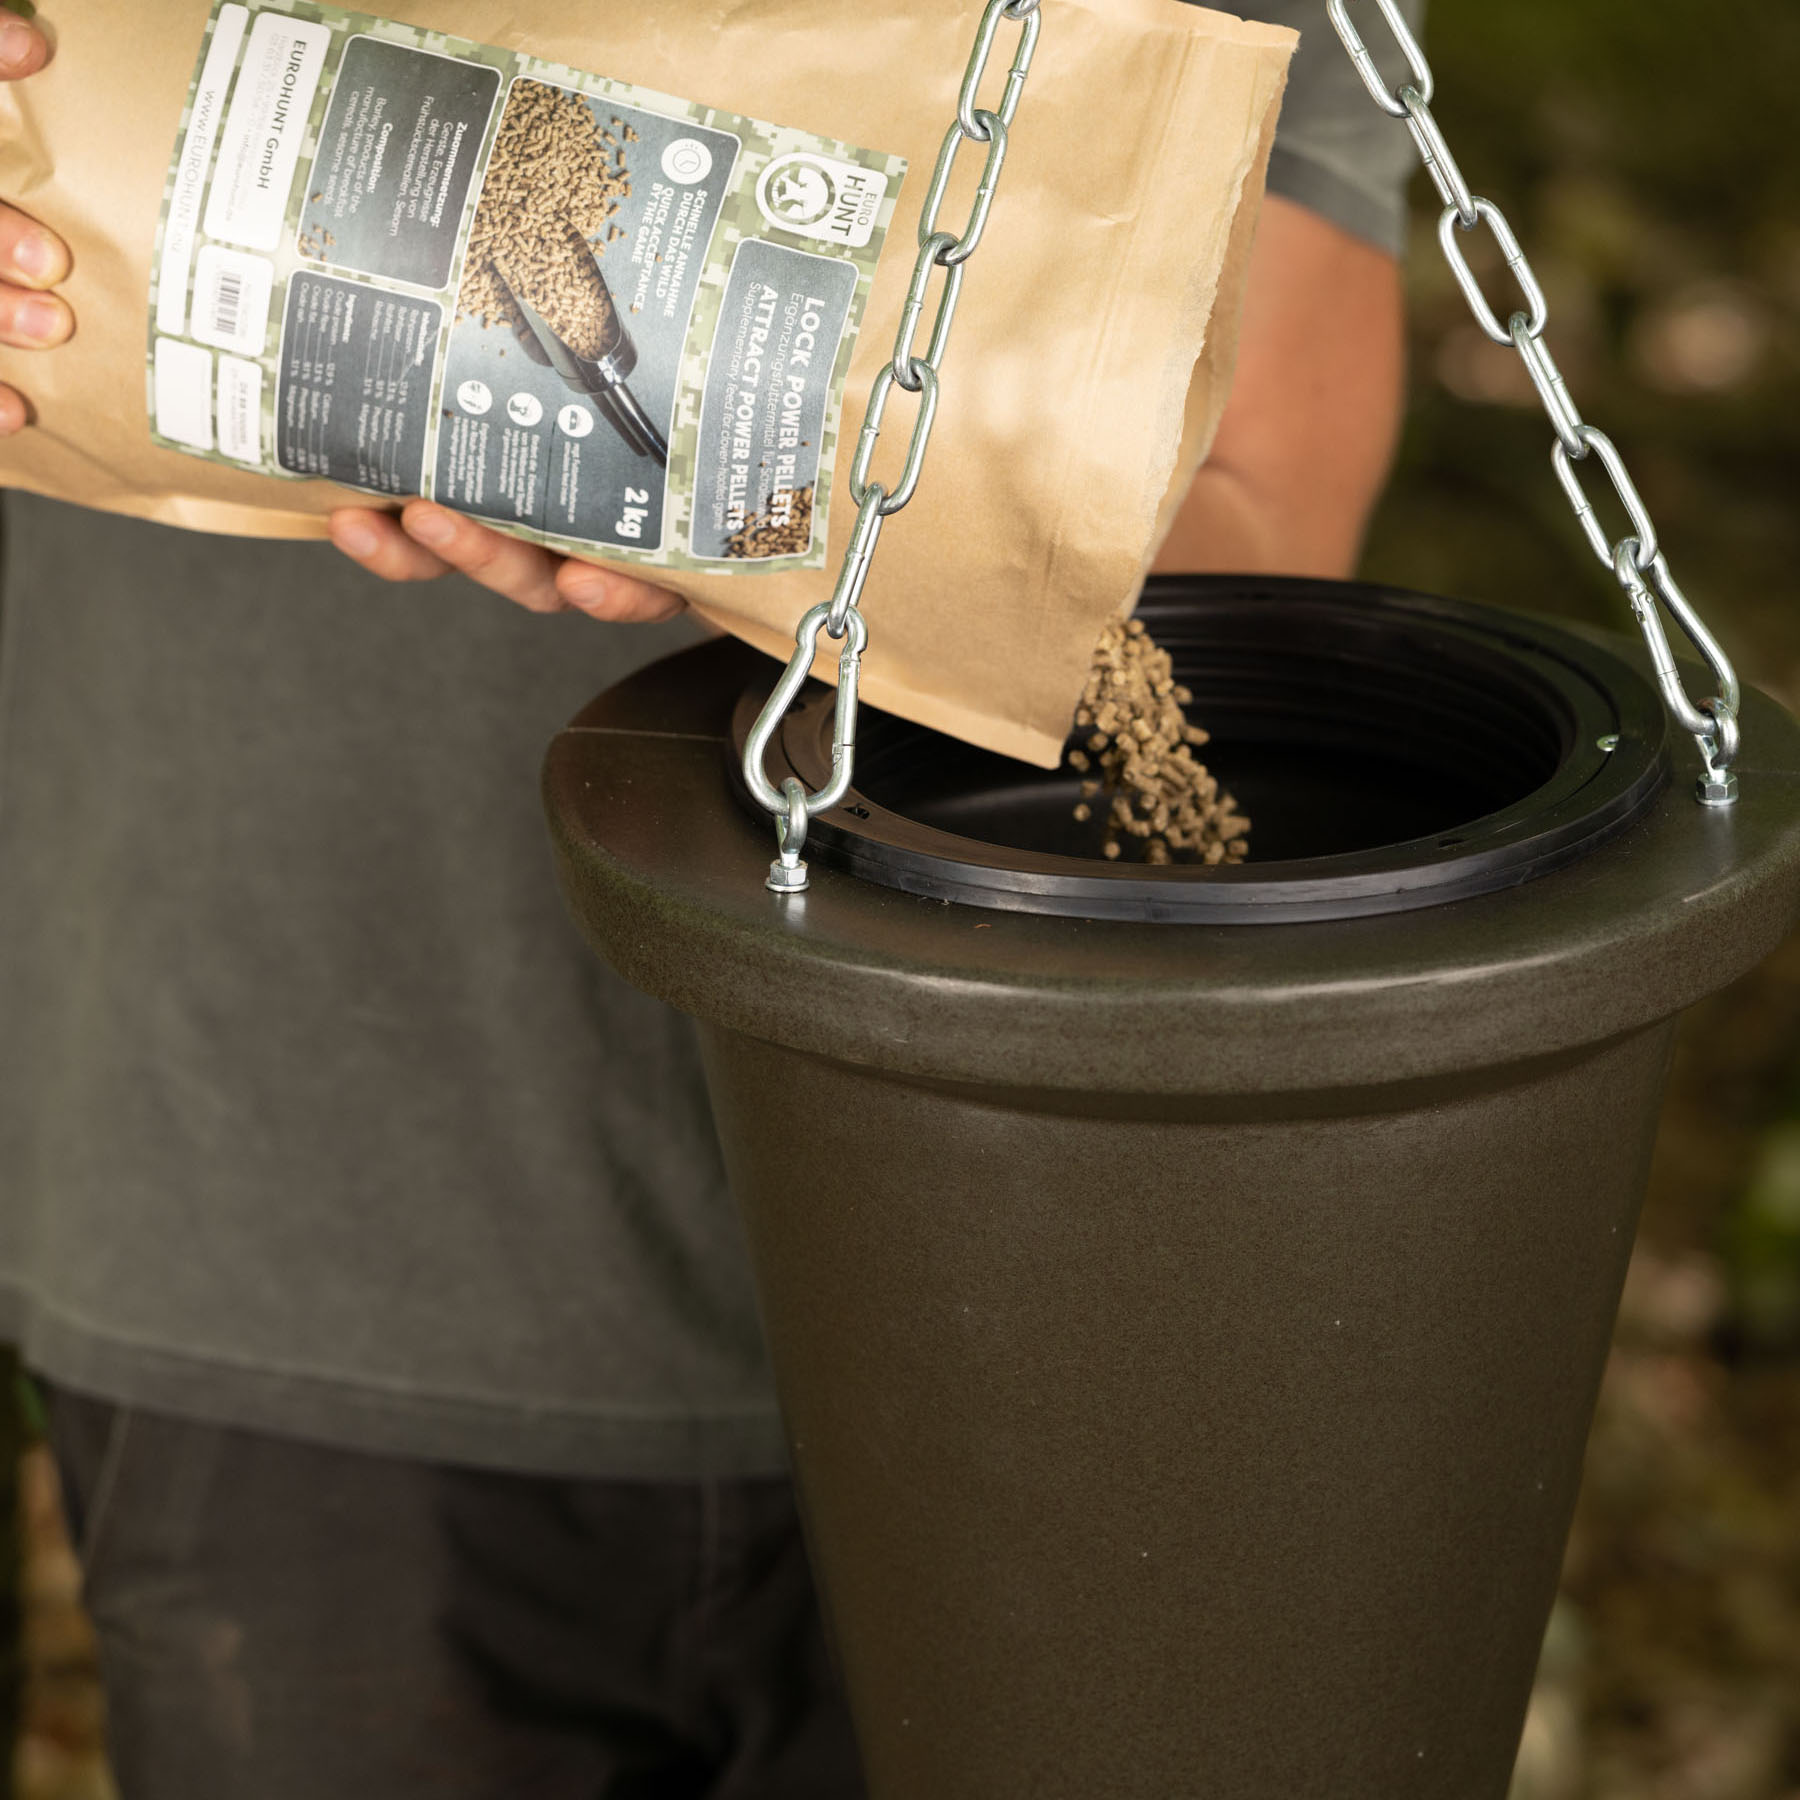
1427	707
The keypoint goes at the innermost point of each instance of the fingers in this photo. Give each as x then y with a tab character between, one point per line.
532	576
23	48
522	573
31	321
376	541
427	541
618	598
30	256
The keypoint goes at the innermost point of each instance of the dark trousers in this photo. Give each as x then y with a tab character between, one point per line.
283	1622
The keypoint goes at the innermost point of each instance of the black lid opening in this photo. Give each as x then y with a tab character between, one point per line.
1393	751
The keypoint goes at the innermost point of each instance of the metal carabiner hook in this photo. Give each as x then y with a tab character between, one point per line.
792	805
1713	722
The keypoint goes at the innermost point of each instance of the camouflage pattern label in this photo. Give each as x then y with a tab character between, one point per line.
602	319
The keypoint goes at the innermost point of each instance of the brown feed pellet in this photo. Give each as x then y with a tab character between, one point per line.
562	285
551	172
770	534
1136	754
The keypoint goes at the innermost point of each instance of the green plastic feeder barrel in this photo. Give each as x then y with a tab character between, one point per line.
1189	1289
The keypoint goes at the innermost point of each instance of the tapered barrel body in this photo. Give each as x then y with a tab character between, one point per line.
1161	1450
1188	1333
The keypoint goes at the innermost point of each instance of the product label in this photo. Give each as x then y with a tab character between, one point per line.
607	320
783	316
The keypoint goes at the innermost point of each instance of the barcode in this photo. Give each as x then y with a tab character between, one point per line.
228	297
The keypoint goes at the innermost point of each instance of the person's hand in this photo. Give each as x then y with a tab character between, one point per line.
427	541
32	260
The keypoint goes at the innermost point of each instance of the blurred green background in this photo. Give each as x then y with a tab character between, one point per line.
1647	156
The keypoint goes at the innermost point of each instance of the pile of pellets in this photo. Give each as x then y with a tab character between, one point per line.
1137	757
565	289
554	182
316	242
777	532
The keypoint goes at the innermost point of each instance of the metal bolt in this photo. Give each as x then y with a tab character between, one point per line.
1717	787
786	877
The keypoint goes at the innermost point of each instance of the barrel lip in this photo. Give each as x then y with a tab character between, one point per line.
1343	672
665	874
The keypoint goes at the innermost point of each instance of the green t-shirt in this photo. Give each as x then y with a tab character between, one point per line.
316	1116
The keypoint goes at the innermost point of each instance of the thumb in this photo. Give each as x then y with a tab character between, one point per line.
23	48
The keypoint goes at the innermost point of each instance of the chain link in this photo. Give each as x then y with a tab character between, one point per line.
1390	101
926	387
1643	526
1440	163
1636	560
931	259
1547	378
996	139
839	619
1486	212
967	116
855	569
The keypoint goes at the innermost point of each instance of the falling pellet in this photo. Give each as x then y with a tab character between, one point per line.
1136	743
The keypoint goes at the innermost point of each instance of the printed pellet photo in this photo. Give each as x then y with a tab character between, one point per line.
572	316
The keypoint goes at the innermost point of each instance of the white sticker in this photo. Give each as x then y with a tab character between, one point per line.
184	392
231	300
820	197
247	203
240	409
191	168
686	160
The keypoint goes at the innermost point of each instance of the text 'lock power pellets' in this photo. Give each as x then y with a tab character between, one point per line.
1636	560
941	253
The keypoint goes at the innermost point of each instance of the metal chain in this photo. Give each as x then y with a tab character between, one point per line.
1636	560
918	375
